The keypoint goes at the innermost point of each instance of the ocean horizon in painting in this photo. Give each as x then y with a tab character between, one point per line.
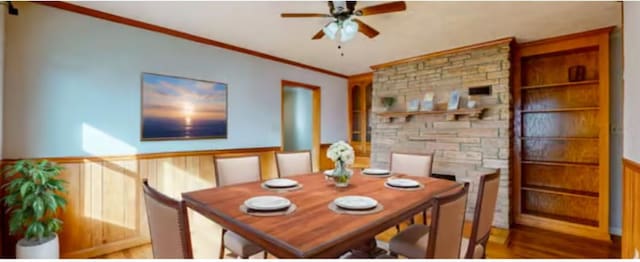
181	108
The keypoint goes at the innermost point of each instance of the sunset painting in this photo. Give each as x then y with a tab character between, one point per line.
182	108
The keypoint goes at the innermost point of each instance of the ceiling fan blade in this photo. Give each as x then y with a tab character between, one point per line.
366	29
382	8
318	35
301	15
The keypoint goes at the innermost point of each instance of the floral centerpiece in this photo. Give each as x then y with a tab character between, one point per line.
342	156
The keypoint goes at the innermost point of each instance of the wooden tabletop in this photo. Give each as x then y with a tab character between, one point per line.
313	230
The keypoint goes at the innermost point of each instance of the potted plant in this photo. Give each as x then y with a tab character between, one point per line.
33	200
387	102
341	153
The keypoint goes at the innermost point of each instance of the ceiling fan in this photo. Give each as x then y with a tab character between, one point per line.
345	23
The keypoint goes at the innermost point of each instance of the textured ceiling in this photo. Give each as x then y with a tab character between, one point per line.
424	28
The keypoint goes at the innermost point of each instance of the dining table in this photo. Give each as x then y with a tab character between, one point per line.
313	230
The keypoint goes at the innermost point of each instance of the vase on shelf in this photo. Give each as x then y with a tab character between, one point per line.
341	174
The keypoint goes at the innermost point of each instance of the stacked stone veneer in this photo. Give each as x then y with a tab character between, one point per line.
465	148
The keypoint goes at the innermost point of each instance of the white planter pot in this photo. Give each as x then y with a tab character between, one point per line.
47	248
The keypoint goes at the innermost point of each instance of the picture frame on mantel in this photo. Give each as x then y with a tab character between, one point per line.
454	101
179	108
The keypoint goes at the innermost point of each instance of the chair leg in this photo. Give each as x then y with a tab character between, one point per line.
398	227
424	217
412	220
265	254
222	244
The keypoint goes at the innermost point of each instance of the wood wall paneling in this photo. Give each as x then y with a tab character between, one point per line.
106	210
630	209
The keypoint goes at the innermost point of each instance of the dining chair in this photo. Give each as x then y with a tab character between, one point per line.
413	165
293	163
475	246
440	239
231	170
168	225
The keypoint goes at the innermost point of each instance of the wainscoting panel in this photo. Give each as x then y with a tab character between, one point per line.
106	211
631	209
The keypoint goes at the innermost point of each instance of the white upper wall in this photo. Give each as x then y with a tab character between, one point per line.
72	87
632	80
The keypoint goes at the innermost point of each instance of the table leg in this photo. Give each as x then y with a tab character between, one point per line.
368	249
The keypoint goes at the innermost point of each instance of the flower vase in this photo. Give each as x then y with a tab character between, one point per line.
341	174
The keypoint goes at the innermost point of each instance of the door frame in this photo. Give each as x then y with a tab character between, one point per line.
315	137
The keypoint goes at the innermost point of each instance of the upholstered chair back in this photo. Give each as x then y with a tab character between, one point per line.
293	163
237	170
168	225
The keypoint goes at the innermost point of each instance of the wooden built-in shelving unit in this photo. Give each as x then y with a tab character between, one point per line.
562	135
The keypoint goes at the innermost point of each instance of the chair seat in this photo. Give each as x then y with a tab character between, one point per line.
412	242
240	245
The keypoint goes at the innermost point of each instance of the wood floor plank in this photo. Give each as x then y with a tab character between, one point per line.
524	242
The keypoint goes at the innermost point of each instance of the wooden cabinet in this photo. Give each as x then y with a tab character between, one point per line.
360	94
562	134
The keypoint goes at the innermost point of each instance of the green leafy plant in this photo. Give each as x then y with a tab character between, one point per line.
33	198
388	101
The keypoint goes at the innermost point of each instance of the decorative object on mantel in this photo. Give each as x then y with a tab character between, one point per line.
342	155
471	103
454	100
177	108
413	105
474	113
577	73
427	103
388	102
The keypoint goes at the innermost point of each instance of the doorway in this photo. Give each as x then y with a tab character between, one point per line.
300	118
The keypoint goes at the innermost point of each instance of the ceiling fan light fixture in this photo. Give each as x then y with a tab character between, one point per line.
331	30
349	30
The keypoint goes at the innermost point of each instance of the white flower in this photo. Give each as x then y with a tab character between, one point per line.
341	151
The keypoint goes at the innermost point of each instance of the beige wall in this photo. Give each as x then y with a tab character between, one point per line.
632	81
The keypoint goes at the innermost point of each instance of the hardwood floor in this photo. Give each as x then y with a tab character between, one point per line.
523	242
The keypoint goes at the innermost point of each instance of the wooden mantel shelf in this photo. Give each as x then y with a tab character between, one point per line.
452	115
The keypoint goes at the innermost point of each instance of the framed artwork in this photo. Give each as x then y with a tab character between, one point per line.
427	103
178	108
413	105
454	100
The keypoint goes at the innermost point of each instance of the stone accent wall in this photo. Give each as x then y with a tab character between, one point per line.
465	148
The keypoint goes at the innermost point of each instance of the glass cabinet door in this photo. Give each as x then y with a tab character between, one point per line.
368	96
356	118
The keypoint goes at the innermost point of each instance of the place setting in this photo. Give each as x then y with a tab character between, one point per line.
376	172
267	206
405	184
281	185
355	205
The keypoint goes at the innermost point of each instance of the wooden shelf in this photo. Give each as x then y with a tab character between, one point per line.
587	82
575	220
560	191
559	138
547	163
561	109
451	114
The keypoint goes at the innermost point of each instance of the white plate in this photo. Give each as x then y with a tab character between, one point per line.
355	202
266	203
328	172
280	182
403	182
375	171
